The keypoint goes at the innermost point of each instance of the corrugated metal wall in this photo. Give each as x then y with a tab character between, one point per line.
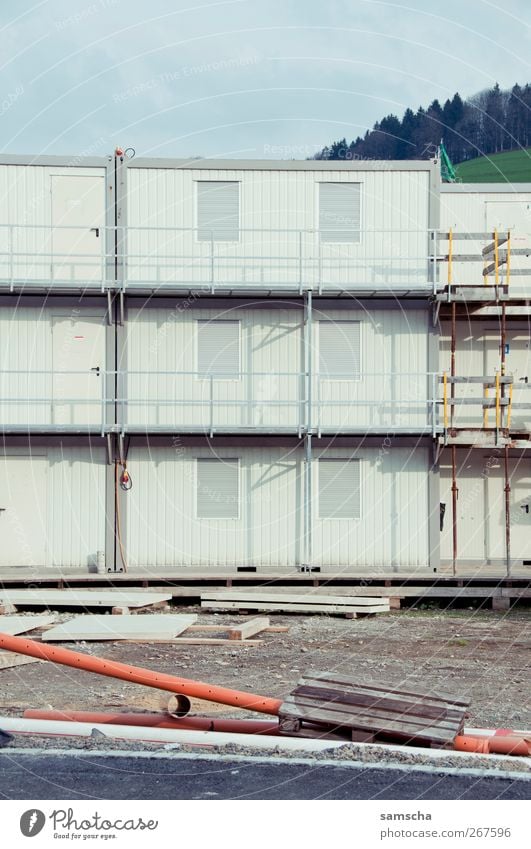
163	528
54	500
26	205
29	393
280	201
392	391
484	211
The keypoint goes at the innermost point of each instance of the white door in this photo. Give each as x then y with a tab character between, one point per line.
520	512
23	510
78	355
517	364
78	221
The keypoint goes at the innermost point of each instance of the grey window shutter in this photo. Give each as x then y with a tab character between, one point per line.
339	489
218	210
217	488
218	348
339	212
340	349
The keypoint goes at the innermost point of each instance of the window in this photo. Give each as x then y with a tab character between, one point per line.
340	350
217	488
218	348
340	212
218	211
339	489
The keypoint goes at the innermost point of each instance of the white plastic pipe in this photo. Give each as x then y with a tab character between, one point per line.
54	728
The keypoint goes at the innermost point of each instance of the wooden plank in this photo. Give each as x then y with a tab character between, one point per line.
21	624
8	659
100	627
383	725
250	628
310	597
293	608
272	629
207	641
393	704
347	681
82	598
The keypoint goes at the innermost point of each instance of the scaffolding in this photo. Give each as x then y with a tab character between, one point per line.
496	389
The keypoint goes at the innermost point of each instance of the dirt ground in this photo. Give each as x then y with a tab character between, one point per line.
481	655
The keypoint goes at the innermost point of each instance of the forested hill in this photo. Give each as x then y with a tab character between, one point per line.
491	121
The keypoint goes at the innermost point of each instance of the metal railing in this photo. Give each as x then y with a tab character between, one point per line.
129	258
284	401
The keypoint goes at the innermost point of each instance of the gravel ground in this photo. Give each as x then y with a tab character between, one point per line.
480	655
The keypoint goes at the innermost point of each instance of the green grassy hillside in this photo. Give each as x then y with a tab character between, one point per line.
511	167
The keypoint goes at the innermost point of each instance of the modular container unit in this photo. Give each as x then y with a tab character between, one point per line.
235	503
490	208
208	224
52	503
243	367
52	364
53	218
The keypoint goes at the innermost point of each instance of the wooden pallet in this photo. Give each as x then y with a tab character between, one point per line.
324	703
301	603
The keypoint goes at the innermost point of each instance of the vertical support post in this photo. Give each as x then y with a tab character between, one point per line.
308	366
445	400
450	256
455	493
496	259
508	271
452	360
507	513
503	354
308	548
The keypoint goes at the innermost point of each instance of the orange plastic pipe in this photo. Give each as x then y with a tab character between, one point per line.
138	675
492	745
159	720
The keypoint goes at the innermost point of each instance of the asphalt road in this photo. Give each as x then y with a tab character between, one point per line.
71	776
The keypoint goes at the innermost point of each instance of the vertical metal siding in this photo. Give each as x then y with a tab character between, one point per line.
76	505
163	529
25	201
392	390
392	201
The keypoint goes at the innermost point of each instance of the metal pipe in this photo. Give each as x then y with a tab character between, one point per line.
139	675
455	492
452	359
159	720
507	512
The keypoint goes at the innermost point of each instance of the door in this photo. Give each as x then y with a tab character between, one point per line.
520	512
518	364
78	363
78	221
23	510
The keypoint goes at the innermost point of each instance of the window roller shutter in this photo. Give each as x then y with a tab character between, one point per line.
339	212
217	489
339	489
340	349
218	348
218	213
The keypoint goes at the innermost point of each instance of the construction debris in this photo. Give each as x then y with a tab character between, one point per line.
22	624
307	602
324	703
83	598
94	626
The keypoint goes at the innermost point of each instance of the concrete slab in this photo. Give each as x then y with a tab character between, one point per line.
100	627
21	624
82	598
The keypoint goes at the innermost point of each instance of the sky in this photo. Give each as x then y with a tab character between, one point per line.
240	78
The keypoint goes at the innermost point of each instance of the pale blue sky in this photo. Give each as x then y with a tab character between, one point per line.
240	78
